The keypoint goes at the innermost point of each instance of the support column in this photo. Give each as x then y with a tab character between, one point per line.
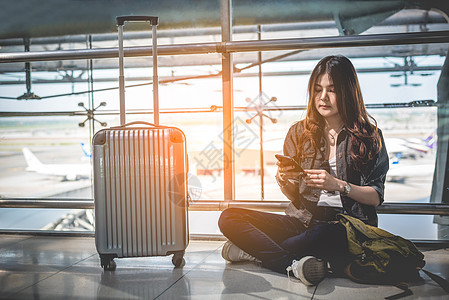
440	186
27	67
228	104
262	169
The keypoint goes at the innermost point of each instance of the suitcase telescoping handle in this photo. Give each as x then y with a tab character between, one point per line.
138	123
122	19
154	22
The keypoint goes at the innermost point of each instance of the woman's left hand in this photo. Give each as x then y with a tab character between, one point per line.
321	179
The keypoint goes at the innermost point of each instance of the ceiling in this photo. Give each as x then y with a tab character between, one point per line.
69	24
24	18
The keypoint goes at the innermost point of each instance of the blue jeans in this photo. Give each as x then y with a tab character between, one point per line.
277	239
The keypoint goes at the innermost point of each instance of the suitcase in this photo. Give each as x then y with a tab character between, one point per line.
140	183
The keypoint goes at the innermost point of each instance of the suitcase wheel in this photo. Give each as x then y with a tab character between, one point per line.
111	266
178	259
107	262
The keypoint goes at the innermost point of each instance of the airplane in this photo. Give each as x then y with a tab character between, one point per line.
208	162
67	171
412	148
400	171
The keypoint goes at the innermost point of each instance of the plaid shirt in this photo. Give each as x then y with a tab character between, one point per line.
304	199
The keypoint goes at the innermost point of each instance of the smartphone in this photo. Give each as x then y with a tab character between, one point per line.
289	161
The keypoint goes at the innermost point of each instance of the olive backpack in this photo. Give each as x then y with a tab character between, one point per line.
379	257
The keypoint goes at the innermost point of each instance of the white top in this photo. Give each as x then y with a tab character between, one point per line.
331	198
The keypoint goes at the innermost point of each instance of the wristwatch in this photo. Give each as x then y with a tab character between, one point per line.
346	189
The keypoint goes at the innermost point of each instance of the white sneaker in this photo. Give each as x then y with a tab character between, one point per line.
310	270
232	253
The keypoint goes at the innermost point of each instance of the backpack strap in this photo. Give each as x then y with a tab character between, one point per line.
405	291
438	279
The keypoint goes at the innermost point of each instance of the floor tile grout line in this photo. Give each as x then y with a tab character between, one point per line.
183	275
15	243
256	296
22	240
314	292
51	275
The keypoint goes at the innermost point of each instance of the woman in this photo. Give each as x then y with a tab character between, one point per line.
345	163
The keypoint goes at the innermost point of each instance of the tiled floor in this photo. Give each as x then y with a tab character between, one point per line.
69	267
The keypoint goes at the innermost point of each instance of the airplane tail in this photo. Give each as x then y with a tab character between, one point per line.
396	159
431	140
86	150
33	162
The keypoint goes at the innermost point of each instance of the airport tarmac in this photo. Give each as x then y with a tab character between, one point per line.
15	181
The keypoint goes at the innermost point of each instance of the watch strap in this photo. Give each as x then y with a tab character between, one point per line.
346	189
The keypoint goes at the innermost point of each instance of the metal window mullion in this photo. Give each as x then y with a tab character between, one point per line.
368	40
228	104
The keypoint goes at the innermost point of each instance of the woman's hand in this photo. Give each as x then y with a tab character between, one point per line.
287	172
323	180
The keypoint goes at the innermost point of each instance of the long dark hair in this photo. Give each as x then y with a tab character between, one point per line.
364	136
